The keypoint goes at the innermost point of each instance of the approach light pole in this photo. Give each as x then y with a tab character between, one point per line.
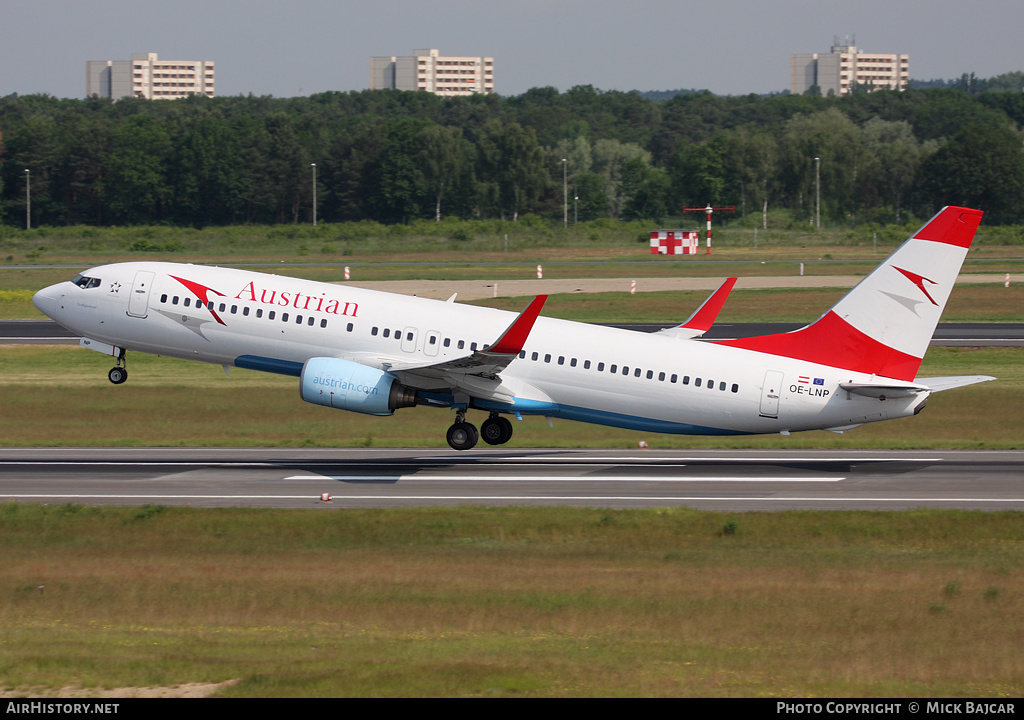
28	200
313	165
817	193
565	194
575	206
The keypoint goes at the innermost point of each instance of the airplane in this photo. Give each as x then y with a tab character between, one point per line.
375	352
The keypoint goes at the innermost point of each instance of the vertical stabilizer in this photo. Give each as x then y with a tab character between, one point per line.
883	325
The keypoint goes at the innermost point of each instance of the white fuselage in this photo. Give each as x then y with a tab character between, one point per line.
567	369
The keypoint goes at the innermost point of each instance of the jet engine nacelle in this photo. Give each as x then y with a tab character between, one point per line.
350	386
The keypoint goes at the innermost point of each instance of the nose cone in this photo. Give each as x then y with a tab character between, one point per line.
46	300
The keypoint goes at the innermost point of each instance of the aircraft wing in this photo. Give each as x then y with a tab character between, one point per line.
704	317
476	373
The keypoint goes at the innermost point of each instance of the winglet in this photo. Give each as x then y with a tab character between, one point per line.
512	340
707	313
704	317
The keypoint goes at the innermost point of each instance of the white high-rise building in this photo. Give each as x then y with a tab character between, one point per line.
148	77
434	73
845	67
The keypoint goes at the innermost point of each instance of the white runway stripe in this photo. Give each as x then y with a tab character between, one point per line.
558	478
339	499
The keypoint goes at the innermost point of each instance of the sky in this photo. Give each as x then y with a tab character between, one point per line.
288	48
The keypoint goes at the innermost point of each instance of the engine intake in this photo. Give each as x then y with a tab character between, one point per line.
346	385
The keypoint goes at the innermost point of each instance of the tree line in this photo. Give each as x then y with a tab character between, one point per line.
394	156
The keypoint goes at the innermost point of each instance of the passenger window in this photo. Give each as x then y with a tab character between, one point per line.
259	312
522	354
613	369
174	300
408	336
298	319
696	382
661	376
735	388
271	314
472	347
374	332
686	379
547	357
245	311
586	364
222	307
284	317
721	386
561	359
625	370
349	327
650	374
312	320
447	342
387	332
163	298
234	309
462	344
600	367
534	356
673	378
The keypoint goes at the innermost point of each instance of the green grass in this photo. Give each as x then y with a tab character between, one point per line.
513	602
60	396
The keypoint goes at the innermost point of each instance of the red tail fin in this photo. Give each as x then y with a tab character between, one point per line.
883	325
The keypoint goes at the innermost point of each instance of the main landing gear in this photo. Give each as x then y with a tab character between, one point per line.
119	373
495	430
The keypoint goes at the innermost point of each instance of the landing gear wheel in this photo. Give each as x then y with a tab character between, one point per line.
496	430
117	375
462	436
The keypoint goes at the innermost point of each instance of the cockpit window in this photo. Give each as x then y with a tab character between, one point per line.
86	282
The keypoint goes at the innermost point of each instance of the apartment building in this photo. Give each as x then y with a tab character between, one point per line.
145	75
845	67
432	72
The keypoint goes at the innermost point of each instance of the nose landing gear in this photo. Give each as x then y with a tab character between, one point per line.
119	373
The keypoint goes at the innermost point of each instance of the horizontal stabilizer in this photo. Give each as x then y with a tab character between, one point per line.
884	390
938	384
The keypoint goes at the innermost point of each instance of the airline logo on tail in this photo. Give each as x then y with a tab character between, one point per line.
919	280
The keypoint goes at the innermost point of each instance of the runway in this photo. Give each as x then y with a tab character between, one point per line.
737	481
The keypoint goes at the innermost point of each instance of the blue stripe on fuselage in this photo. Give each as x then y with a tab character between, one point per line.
272	365
601	417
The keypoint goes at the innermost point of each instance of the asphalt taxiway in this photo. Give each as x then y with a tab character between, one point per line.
711	480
